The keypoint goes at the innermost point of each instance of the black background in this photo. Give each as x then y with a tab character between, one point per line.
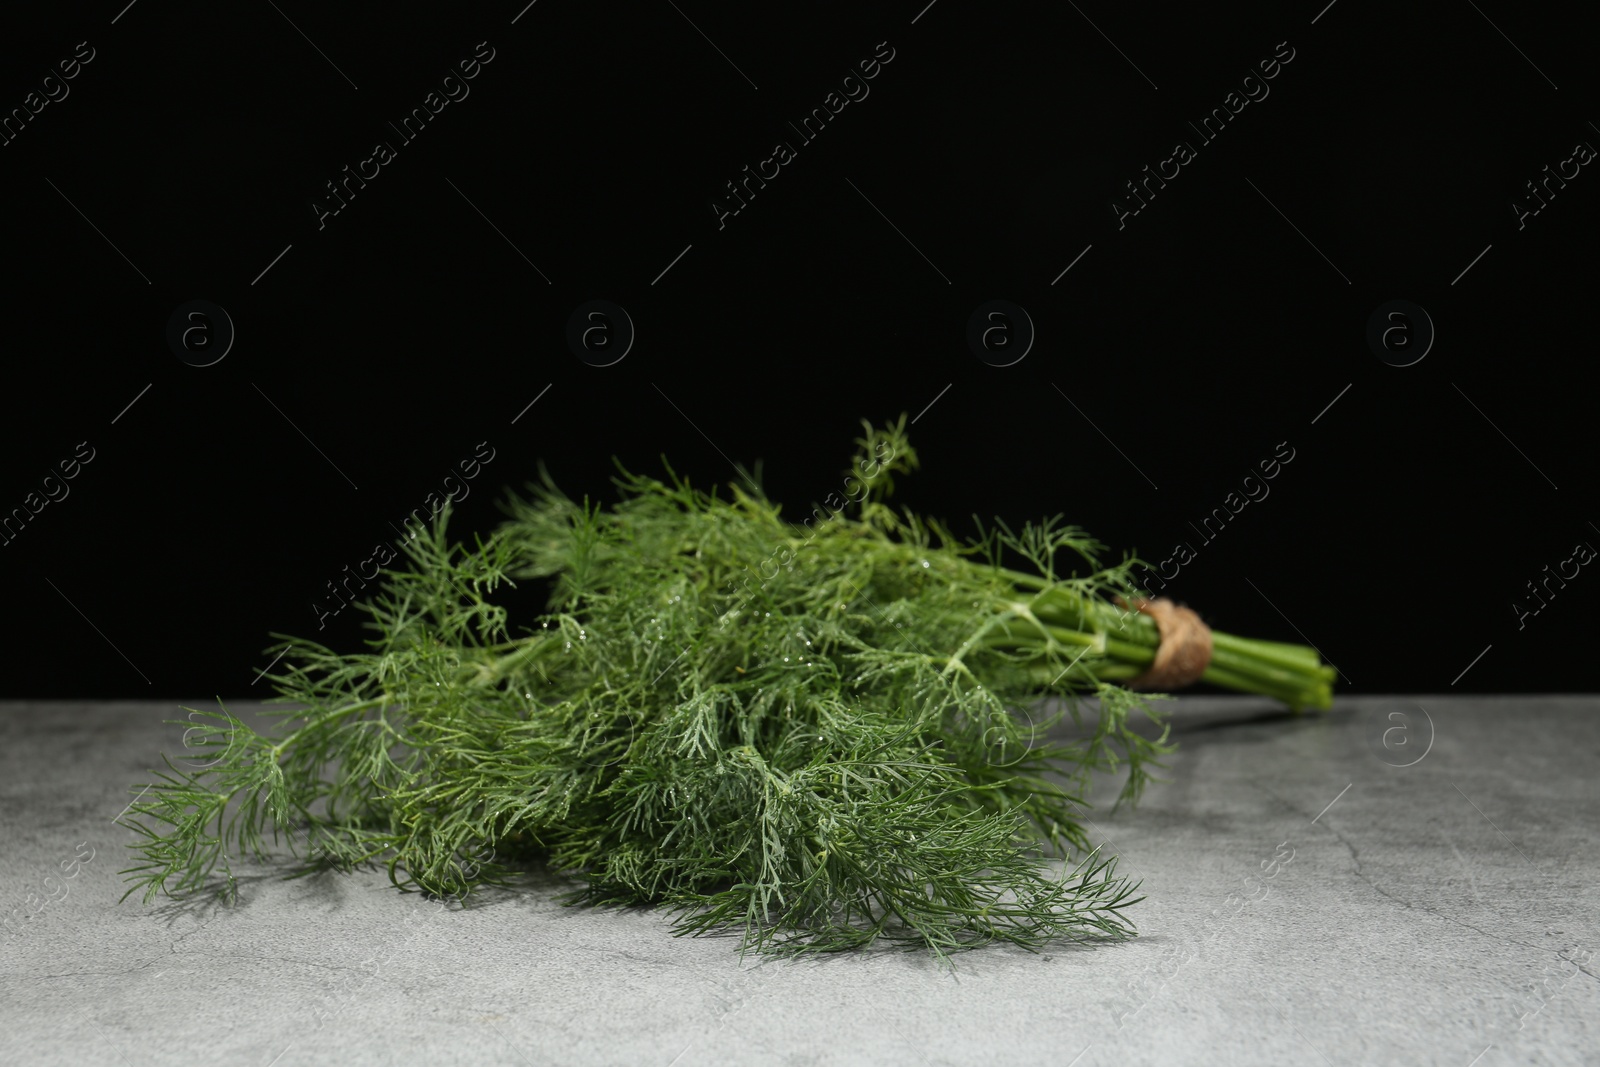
1177	352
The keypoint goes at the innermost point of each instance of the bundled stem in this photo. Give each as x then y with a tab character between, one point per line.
1293	674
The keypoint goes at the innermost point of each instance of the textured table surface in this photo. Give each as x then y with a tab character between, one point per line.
1317	893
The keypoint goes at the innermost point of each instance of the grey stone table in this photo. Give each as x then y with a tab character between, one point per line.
1318	892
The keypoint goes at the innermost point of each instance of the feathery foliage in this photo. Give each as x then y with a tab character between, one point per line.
822	734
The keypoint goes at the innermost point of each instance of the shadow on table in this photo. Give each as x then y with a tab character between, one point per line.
1207	719
331	887
1238	719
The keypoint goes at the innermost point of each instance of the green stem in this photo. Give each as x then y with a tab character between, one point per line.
327	717
1236	664
1294	657
1292	673
1227	679
496	669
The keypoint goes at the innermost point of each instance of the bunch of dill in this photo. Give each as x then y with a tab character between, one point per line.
820	735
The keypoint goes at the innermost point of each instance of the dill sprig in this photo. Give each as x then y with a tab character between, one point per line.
821	734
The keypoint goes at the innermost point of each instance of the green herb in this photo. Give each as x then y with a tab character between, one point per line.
820	734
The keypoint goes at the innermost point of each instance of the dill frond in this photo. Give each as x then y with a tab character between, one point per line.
821	734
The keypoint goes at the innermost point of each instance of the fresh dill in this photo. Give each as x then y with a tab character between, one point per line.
820	735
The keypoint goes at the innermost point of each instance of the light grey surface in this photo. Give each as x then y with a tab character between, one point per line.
1426	917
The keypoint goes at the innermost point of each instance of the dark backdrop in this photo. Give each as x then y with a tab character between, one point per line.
377	347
